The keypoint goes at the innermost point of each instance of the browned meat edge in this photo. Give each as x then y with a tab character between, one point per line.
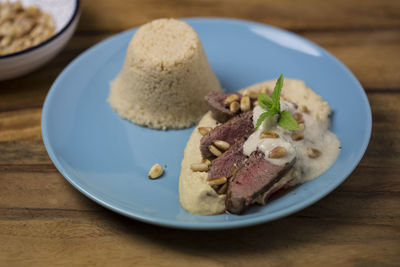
231	130
215	102
251	180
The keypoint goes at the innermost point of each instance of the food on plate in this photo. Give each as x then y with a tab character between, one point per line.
164	78
22	27
155	171
251	144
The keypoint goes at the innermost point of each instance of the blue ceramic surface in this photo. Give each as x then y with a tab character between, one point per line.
108	158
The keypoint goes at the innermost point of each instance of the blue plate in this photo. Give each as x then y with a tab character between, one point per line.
108	158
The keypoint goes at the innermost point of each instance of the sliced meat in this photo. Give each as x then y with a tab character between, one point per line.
231	130
220	112
254	178
276	189
229	162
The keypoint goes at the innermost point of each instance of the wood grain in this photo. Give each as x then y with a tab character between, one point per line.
70	237
44	221
100	15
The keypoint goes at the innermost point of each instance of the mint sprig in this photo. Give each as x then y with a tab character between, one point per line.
273	106
287	121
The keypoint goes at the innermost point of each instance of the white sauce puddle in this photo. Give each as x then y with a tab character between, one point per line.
316	135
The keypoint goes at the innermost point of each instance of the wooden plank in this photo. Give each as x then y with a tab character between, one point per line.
64	237
20	125
100	15
384	147
22	153
40	189
369	195
372	56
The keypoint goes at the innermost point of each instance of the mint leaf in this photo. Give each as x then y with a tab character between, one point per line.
264	101
287	121
263	116
276	94
273	106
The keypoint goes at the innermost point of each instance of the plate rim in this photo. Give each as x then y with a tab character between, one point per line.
208	225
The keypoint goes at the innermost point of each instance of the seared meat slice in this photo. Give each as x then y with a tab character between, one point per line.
229	162
220	112
231	130
254	178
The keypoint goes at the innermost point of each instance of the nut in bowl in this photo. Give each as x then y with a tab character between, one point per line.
32	32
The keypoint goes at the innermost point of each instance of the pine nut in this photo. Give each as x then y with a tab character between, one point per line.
155	171
251	94
199	167
222	144
265	91
234	107
297	136
230	99
313	152
304	109
277	152
298	117
222	190
214	151
207	162
216	181
204	130
269	135
245	103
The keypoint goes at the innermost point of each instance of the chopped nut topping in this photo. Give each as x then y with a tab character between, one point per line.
245	103
222	190
297	136
277	152
214	151
304	109
234	106
313	152
230	99
252	94
155	171
204	130
222	144
268	134
216	181
206	161
199	167
298	117
265	91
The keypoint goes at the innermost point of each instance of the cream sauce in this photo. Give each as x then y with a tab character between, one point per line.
316	136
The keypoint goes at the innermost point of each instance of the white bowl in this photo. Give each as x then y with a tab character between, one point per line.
66	15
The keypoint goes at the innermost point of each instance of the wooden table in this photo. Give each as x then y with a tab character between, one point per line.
45	221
